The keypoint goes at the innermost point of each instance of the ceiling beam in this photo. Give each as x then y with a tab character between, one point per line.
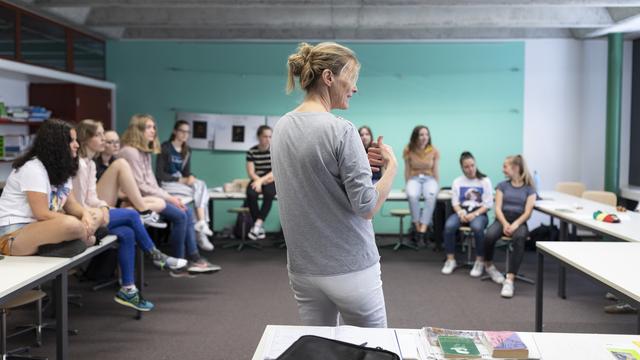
448	3
416	17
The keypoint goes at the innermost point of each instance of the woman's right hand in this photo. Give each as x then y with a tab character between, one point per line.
177	203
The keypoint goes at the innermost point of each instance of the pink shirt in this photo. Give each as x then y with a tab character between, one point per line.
140	163
84	184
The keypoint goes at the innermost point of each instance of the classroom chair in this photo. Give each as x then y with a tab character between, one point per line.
243	212
571	188
603	197
401	213
505	242
468	241
28	297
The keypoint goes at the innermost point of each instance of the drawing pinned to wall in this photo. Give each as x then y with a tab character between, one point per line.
202	129
236	132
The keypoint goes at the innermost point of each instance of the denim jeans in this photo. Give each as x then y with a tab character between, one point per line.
451	227
357	297
127	226
495	232
183	236
427	187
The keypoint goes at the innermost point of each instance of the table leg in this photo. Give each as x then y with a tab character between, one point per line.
539	292
638	326
562	270
211	217
62	316
140	276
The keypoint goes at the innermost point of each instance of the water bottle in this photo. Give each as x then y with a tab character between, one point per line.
536	180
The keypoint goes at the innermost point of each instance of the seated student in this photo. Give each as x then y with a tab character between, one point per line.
115	179
124	223
173	170
367	140
259	170
471	198
421	173
140	140
37	192
515	199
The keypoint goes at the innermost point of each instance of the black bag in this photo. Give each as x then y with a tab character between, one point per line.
248	223
542	233
309	347
65	249
102	267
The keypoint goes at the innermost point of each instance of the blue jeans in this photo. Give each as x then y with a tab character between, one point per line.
477	225
127	226
183	236
427	187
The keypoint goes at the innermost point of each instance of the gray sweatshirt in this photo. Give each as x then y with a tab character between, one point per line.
324	187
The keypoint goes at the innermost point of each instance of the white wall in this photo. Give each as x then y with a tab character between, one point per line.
13	89
565	110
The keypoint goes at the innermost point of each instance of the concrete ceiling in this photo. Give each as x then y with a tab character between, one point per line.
345	19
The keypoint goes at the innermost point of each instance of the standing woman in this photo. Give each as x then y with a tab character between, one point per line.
140	141
515	198
37	192
124	223
173	169
422	176
471	199
326	197
366	135
259	171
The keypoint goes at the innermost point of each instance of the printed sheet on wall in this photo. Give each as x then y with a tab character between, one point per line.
222	132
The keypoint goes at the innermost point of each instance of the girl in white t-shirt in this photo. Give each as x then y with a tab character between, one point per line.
37	206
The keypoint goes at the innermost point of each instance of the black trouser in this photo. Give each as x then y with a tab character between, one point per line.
495	232
268	193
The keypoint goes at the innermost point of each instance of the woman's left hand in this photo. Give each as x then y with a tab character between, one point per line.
257	186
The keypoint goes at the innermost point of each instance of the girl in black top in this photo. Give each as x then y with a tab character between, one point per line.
259	170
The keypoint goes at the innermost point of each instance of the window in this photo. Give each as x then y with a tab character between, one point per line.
7	33
88	56
43	42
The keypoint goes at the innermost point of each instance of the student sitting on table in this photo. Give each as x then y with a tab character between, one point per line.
173	170
37	192
366	135
140	141
115	178
515	199
421	174
124	223
471	199
259	171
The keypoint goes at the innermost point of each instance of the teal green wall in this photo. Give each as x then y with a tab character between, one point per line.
469	94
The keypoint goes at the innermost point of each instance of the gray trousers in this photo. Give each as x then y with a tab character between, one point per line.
198	191
356	297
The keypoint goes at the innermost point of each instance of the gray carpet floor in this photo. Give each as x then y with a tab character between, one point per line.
223	315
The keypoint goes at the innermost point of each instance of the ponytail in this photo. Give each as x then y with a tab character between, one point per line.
467	155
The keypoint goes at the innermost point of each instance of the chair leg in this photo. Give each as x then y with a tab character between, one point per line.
3	333
518	276
401	242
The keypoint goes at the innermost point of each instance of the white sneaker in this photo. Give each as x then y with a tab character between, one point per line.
203	242
495	275
202	227
449	266
254	233
477	270
152	219
262	234
507	289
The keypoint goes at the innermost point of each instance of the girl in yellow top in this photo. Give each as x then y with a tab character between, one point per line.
421	173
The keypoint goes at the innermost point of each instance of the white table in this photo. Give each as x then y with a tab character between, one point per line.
579	211
552	346
21	273
614	265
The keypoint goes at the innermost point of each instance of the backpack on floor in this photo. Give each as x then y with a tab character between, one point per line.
237	228
102	267
542	233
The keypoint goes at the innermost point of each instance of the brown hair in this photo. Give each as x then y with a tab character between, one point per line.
86	129
310	61
365	127
134	135
176	126
415	135
524	175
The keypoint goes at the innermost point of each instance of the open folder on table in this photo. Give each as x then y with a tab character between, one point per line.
284	337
